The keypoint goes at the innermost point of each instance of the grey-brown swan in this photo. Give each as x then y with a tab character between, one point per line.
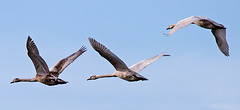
218	30
44	75
122	71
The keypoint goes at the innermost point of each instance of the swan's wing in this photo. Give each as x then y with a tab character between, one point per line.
107	54
63	63
142	64
220	35
210	20
40	65
183	23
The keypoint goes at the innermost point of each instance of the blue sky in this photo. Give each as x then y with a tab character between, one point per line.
197	76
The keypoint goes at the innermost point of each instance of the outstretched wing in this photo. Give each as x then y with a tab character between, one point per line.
40	65
63	63
183	23
220	36
142	64
107	54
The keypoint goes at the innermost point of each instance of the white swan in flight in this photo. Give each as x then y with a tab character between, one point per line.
218	30
44	75
122	71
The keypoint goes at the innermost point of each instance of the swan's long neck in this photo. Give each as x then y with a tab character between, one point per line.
27	80
106	76
24	80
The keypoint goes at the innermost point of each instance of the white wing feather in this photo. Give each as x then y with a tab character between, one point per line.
183	23
142	64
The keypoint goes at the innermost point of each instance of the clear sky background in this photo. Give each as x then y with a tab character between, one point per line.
197	76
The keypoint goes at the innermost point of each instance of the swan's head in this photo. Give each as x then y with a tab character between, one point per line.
93	77
15	80
171	26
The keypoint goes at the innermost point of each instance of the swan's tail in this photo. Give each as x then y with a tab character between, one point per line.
60	81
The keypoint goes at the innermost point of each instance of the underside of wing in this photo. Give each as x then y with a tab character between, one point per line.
107	54
39	64
183	23
63	63
142	64
220	36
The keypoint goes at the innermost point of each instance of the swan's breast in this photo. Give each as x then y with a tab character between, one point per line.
126	75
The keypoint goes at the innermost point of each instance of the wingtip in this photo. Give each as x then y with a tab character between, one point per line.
227	55
91	40
225	52
163	53
166	55
29	38
83	48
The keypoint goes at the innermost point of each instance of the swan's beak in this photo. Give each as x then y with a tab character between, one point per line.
88	79
11	82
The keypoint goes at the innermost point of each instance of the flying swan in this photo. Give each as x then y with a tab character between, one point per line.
44	75
122	71
218	30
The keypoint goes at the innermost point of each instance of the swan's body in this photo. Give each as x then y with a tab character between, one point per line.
44	75
218	30
122	71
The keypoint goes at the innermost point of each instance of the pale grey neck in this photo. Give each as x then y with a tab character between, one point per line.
106	76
